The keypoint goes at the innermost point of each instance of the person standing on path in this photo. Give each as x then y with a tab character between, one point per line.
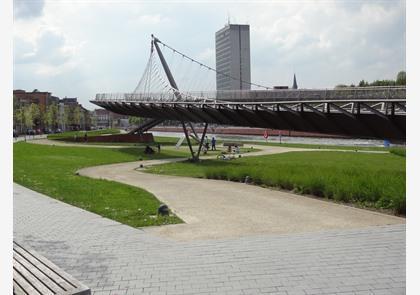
206	143
213	143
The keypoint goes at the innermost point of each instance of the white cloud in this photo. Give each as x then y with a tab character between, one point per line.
51	53
153	19
207	56
28	9
104	46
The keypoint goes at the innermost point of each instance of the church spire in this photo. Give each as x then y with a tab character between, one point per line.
294	82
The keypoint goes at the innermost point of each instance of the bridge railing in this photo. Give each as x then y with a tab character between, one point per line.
148	97
349	93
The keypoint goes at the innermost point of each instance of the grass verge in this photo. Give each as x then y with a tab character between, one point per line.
166	140
171	141
367	180
51	170
398	151
71	134
323	146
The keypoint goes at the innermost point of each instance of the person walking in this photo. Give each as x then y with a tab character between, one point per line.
213	143
206	143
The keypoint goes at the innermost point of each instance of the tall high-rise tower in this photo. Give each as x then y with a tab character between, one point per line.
233	58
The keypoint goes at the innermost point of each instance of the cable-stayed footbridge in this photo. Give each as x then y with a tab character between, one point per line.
181	88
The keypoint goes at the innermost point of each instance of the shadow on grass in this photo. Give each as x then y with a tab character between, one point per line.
139	152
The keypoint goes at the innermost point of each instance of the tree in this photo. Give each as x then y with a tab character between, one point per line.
76	115
19	118
52	116
27	118
399	81
135	120
16	112
383	83
400	78
35	114
93	119
340	86
363	83
67	116
42	118
87	119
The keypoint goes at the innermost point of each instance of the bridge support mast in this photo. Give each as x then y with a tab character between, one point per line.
171	79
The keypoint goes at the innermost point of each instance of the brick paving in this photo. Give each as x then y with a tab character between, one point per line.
112	258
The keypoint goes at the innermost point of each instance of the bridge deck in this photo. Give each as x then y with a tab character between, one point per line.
364	118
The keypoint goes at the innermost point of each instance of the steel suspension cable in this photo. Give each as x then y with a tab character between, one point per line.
210	68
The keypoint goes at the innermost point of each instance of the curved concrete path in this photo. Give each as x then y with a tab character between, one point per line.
219	209
46	141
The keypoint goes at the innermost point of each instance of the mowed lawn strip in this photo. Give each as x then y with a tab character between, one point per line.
71	134
326	146
51	170
369	180
167	140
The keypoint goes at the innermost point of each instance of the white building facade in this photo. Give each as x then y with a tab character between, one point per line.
233	58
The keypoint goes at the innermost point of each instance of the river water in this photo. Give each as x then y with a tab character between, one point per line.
290	139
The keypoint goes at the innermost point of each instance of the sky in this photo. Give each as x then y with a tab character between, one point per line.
80	48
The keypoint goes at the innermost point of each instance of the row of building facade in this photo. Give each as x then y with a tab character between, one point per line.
86	119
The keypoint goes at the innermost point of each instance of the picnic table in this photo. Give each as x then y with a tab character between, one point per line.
232	144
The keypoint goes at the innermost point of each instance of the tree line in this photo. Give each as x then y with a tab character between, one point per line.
399	81
31	116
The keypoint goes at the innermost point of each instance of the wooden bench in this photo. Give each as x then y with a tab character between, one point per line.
34	274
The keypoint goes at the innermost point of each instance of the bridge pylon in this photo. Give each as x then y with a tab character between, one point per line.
194	156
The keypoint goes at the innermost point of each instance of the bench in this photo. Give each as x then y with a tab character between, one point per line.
34	274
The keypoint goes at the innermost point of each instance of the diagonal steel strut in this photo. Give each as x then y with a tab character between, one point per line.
177	94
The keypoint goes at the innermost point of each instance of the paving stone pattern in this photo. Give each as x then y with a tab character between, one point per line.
114	259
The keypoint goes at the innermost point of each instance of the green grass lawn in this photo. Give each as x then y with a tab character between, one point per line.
163	140
71	134
368	180
51	170
166	140
171	141
398	151
324	146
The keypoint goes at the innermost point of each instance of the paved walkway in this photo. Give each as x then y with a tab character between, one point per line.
221	209
114	259
278	243
29	138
